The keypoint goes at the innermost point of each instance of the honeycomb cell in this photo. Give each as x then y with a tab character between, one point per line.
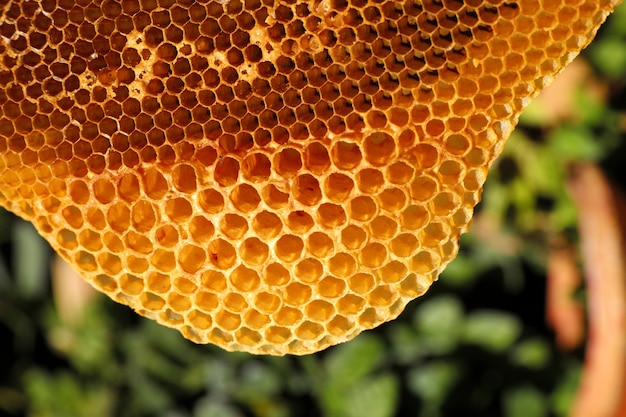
266	176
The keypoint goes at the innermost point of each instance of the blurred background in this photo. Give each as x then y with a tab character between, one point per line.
479	343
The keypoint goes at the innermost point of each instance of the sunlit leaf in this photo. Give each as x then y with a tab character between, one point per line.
492	330
351	361
373	397
524	402
439	322
531	353
432	381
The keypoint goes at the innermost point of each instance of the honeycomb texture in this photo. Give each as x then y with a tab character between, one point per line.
268	176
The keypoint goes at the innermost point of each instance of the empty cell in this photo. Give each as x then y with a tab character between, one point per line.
233	226
191	258
287	162
306	190
227	321
362	208
73	216
199	319
299	222
235	303
273	197
309	270
151	302
103	190
90	240
245	198
423	188
178	303
256	167
178	210
330	215
253	251
131	285
383	296
445	203
350	304
352	237
331	287
213	280
266	302
392	199
118	217
211	201
109	263
450	172
392	273
184	178
278	335
226	171
287	316
297	294
201	229
185	286
434	234
143	217
67	239
222	254
267	225
457	144
206	301
288	248
424	262
346	155
319	244
370	180
245	279
383	227
316	158
163	260
256	320
85	261
338	187
373	255
342	265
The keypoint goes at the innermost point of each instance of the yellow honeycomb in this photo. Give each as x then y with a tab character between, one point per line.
268	176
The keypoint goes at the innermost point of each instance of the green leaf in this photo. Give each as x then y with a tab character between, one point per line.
531	353
432	381
31	266
208	407
346	365
405	343
349	362
439	322
564	394
373	397
574	143
491	329
63	395
610	55
524	402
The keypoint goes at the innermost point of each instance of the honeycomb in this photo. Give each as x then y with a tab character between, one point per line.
268	176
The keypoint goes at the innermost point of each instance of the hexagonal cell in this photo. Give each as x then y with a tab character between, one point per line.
309	270
233	226
288	248
300	222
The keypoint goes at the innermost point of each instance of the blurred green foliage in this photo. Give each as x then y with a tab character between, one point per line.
475	345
